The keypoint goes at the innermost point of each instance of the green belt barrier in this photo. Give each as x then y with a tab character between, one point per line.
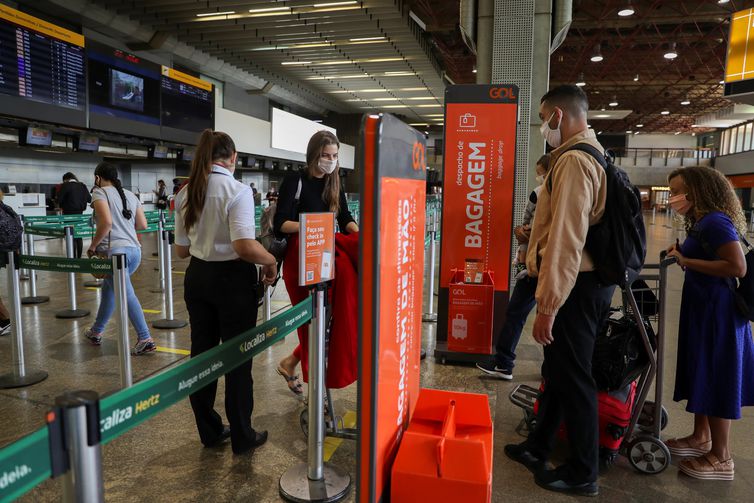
56	218
130	407
36	230
24	464
60	264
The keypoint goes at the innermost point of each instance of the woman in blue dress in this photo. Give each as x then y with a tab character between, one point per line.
715	369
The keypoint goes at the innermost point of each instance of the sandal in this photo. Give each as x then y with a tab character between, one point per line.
708	467
685	448
292	381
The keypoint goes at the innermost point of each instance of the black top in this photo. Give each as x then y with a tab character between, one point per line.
73	198
310	201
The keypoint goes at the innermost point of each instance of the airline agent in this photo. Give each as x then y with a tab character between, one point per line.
214	225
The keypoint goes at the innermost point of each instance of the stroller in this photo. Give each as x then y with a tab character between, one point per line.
629	423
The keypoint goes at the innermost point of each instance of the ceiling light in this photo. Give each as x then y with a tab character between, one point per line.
629	132
427	106
394	106
581	82
418	124
473	71
599	132
292	63
640	125
413	89
310	46
360	42
686	101
722	82
380	60
365	39
597	54
602	116
421	98
671	52
636	78
723	1
384	99
398	74
665	112
627	10
271	11
336	77
224	13
334	4
614	103
434	115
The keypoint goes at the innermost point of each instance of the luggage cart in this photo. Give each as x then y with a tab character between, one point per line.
642	444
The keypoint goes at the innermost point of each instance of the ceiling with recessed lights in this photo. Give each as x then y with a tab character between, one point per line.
345	56
666	56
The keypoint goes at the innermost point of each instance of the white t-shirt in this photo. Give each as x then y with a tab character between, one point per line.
123	232
227	216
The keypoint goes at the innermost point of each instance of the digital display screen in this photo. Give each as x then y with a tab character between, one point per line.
44	65
160	152
38	136
126	90
188	103
88	143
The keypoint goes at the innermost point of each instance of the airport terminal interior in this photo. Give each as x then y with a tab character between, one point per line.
410	87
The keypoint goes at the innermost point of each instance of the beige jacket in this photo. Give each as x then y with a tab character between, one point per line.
556	252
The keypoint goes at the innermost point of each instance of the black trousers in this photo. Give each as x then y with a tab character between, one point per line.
222	302
570	393
78	247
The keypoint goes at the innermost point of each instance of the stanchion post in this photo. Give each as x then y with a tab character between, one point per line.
316	480
654	213
267	304
33	298
24	274
156	253
121	307
20	375
79	413
430	315
168	321
74	311
160	254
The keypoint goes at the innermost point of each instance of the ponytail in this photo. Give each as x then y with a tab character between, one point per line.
213	146
109	172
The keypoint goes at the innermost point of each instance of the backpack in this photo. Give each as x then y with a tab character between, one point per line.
743	289
276	246
617	243
11	229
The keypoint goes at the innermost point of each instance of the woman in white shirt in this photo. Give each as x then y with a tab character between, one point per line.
119	215
214	225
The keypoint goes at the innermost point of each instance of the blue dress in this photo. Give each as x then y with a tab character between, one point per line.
715	369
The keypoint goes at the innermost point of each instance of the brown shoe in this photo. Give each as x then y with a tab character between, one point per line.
708	467
686	448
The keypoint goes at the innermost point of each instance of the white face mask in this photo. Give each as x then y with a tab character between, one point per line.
552	136
540	179
328	166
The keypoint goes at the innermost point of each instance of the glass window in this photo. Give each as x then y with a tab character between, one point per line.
740	139
747	136
725	142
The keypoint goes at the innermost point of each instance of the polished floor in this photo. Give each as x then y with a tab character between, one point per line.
162	460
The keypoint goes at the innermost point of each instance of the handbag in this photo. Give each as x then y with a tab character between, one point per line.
275	245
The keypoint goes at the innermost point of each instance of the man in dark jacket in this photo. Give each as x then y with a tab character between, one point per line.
73	198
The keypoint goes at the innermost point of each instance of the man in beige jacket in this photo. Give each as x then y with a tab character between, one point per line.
571	302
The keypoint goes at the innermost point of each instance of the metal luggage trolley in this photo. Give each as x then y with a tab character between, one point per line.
642	444
334	423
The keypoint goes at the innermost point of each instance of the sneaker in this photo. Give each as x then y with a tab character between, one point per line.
93	337
520	453
4	327
556	480
493	370
143	346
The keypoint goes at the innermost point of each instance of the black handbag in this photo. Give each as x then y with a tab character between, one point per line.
273	244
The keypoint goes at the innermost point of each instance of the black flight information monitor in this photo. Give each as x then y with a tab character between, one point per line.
42	70
188	106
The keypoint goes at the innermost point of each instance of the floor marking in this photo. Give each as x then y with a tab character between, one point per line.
174	351
331	443
151	311
92	288
179	272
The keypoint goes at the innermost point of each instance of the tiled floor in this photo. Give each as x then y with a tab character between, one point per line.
162	460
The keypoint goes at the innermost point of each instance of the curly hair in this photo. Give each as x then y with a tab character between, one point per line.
709	190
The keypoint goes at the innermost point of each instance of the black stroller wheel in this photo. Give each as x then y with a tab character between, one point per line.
648	454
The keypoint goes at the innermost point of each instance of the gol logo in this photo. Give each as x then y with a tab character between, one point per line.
419	157
497	93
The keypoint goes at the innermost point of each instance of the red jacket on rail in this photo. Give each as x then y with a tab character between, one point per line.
342	366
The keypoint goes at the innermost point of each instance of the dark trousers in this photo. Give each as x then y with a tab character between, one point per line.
519	306
570	393
78	247
222	302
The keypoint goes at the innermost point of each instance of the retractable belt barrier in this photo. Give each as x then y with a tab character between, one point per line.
34	458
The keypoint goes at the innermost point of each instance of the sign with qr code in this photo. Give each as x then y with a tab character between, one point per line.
316	248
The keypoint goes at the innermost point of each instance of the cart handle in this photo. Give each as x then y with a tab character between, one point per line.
666	262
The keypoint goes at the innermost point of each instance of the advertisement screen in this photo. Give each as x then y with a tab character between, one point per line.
126	90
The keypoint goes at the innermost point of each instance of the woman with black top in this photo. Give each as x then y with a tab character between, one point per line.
319	189
214	225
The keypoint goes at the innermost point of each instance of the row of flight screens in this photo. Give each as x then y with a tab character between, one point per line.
56	78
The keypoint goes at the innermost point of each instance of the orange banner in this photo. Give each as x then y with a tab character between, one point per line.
480	149
316	248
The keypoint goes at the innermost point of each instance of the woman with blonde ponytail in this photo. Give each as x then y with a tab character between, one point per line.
214	225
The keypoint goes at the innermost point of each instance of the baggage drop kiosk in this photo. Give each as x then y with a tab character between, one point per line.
477	216
391	275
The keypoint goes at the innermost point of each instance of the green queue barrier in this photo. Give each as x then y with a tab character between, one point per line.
61	264
26	463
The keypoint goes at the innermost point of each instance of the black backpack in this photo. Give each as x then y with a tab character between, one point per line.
617	243
11	229
743	288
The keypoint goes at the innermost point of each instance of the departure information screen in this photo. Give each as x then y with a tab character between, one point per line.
188	103
40	61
